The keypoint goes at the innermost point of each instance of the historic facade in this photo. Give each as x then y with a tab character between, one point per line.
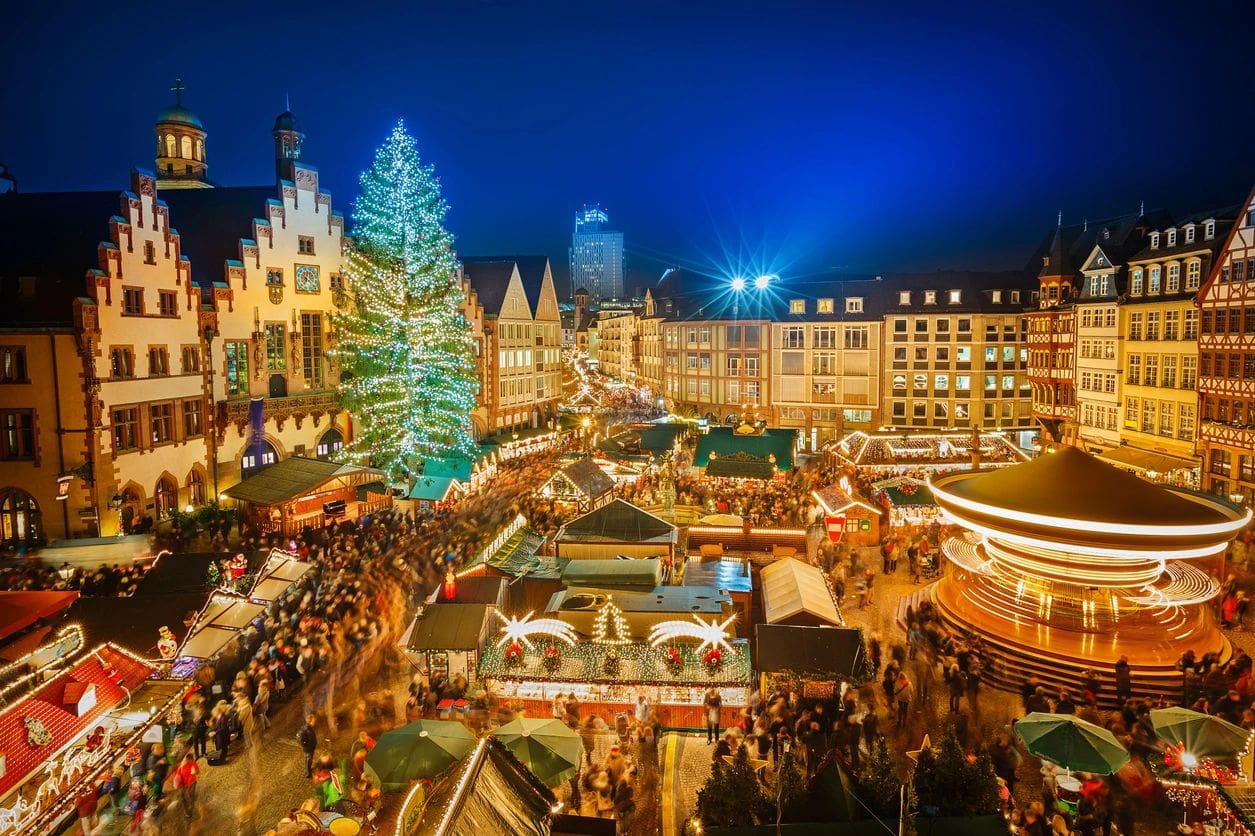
1051	342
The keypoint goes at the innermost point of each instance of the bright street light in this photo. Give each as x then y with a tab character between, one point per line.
738	284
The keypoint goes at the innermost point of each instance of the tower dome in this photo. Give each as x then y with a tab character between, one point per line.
288	142
180	135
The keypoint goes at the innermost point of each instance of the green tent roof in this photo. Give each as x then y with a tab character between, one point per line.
746	449
643	572
432	488
294	476
449	627
660	437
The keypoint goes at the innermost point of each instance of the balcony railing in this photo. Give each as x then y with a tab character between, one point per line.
297	407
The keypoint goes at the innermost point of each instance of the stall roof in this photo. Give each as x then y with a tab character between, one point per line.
187	572
222	620
797	593
518	557
491	792
645	572
834	500
433	488
482	589
745	455
19	610
825	652
135	623
905	491
618	522
293	477
661	437
277	576
586	477
662	599
448	627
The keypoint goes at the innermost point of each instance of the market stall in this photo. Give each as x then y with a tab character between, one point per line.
297	492
798	593
581	484
909	500
897	452
446	638
848	519
616	529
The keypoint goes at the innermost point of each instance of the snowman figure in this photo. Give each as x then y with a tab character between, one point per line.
167	645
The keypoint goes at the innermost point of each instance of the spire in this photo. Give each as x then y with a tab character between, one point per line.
287	102
1059	224
1085	227
1141	210
178	89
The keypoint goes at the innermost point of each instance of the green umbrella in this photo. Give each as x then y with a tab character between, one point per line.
548	748
423	749
1071	742
1202	735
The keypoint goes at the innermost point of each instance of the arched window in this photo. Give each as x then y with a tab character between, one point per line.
169	145
185	147
166	497
195	487
19	518
200	150
329	444
257	458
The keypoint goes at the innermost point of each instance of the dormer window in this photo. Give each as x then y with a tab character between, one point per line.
1015	297
955	296
1154	240
1153	284
797	306
1209	230
1106	233
854	304
904	297
824	306
930	297
1172	238
996	296
1136	286
1189	234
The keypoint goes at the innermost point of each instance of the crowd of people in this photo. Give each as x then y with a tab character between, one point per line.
115	580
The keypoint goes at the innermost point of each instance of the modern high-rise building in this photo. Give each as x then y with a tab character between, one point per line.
596	255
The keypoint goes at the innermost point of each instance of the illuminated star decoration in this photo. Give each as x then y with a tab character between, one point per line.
712	634
913	755
521	630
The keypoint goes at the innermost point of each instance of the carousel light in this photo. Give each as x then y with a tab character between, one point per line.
713	634
522	630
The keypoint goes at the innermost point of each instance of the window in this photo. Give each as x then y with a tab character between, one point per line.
991	382
704	383
1015	297
692	387
311	347
1174	278
1154	240
703	361
1185	421
963	382
899	326
305	244
18	441
158	361
734	365
825	306
1209	230
824	363
150	253
692	335
826	337
337	283
1135	326
274	276
1008	382
276	341
797	306
791	362
921	326
943	354
991	355
1134	375
121	363
193	424
734	391
1239	270
196	487
904	297
854	304
1136	288
856	416
133	301
751	365
919	409
237	368
1193	275
703	335
1171	322
332	442
1189	234
941	382
995	296
1008	354
1151	375
126	428
899	409
1191	325
899	382
921	354
794	337
1152	325
13	364
955	296
930	297
1153	284
1189	371
1221	462
1169	378
691	360
1172	238
161	416
855	336
1148	416
963	354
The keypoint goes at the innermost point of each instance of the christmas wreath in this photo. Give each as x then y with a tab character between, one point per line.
611	664
713	658
514	654
551	658
674	660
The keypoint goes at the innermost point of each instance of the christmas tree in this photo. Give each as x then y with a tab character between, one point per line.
404	345
610	627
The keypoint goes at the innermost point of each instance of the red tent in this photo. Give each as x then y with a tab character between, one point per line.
19	610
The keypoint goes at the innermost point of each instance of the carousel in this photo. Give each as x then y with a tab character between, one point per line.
1069	564
898	452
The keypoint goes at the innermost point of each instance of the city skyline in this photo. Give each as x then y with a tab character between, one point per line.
798	177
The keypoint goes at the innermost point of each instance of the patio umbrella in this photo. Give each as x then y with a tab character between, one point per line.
1071	742
547	747
1201	734
423	749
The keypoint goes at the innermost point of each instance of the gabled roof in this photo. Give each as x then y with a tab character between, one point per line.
292	477
448	627
797	593
490	276
211	222
52	237
491	792
587	477
617	522
19	610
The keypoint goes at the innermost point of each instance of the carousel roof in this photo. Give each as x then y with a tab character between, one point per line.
1069	484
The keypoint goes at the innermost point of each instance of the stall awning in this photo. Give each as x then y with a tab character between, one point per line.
771	450
277	576
815	652
585	478
19	610
449	627
797	593
645	573
221	620
1147	460
294	477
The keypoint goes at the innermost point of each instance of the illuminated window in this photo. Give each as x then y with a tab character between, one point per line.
824	306
797	306
904	297
930	297
854	304
193	410
13	364
957	295
185	147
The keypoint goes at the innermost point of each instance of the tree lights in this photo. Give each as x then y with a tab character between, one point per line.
404	345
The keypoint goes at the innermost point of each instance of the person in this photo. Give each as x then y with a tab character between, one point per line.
558	710
85	807
1124	680
588	736
159	766
358	752
185	778
200	733
307	736
642	709
713	705
903	691
955	680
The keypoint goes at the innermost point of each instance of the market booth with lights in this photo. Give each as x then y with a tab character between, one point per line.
1070	563
893	453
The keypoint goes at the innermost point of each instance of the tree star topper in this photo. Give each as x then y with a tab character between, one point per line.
713	634
522	629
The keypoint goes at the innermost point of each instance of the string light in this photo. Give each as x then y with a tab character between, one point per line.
711	633
521	630
610	627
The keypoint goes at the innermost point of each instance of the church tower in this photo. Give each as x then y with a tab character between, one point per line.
288	142
181	146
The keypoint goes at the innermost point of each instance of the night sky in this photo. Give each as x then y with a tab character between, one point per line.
807	138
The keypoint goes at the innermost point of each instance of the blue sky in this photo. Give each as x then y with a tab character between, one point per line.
803	136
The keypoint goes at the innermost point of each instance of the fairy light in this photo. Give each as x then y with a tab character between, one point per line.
712	634
521	630
610	627
468	771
